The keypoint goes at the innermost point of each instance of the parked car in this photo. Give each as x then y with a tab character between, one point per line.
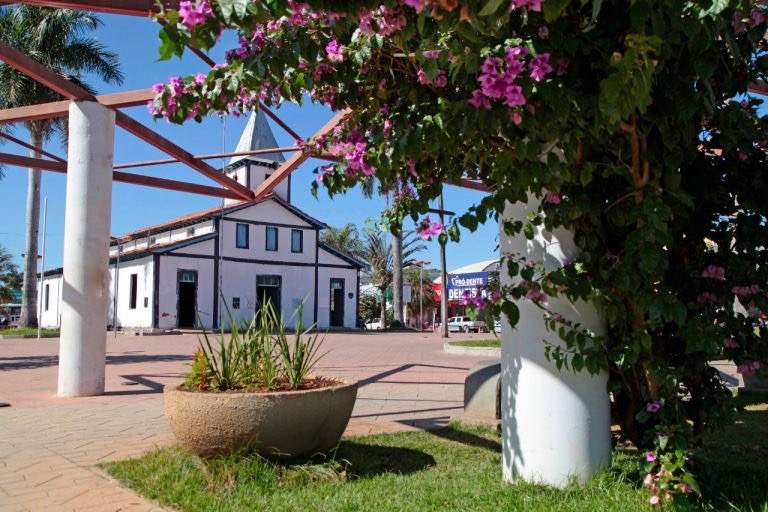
466	324
373	325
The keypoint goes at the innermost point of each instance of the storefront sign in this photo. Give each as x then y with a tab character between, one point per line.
458	284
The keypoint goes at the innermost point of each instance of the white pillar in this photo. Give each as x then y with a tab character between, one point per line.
86	250
555	424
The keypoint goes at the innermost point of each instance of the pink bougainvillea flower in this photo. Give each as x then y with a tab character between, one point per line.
552	198
540	67
427	228
193	16
748	368
479	100
335	51
650	457
655	501
431	54
532	5
654	406
536	295
419	5
714	272
440	80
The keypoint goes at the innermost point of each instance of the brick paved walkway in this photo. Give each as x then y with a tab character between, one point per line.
49	446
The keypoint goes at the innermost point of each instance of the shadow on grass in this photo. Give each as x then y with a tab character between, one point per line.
467	438
733	471
367	461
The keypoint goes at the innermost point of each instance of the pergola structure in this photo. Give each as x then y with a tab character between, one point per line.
90	172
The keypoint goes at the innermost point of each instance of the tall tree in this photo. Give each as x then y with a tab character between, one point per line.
377	252
10	278
345	239
422	293
57	39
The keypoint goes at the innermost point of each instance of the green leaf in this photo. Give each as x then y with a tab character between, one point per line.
553	9
510	310
490	8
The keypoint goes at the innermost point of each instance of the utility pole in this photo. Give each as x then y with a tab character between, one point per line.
443	277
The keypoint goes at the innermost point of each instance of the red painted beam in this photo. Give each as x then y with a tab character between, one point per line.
125	7
139	130
474	185
61	108
759	87
31	147
296	160
123	177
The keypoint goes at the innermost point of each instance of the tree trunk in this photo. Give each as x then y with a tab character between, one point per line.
28	316
397	276
383	317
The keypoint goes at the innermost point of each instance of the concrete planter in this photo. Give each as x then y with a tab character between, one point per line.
279	424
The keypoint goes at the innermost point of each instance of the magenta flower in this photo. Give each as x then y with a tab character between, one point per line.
441	80
714	272
335	51
431	54
730	343
650	457
514	96
536	295
419	5
552	198
540	67
422	77
748	368
193	16
654	406
426	228
479	100
532	5
655	501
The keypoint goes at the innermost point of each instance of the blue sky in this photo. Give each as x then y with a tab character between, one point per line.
133	207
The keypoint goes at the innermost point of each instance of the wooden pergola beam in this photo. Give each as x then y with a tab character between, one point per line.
70	90
31	147
61	108
123	177
298	158
142	8
139	130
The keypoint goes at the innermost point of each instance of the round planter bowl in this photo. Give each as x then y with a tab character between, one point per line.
278	425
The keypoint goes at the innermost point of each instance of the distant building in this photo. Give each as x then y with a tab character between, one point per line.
194	270
467	279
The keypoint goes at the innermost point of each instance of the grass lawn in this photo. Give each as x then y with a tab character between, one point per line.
21	331
493	343
456	468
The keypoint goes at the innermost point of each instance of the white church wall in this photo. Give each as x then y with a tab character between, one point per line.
325	274
50	310
140	315
168	294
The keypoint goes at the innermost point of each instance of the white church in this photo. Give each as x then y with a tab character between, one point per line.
188	272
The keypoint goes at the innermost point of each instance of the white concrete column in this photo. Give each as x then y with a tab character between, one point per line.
84	295
555	424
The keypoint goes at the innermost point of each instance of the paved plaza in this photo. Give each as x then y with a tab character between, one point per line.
50	446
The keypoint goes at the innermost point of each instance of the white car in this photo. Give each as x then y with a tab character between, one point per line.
373	325
465	324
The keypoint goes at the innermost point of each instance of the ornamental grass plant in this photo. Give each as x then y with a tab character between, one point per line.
260	355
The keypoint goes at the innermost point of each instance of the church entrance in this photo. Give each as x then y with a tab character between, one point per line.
187	298
268	289
337	303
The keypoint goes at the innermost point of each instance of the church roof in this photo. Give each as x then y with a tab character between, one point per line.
257	135
194	218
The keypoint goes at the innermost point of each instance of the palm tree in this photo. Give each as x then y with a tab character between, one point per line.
422	293
377	252
10	279
55	38
345	239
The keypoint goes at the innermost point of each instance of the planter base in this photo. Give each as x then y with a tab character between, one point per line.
277	425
